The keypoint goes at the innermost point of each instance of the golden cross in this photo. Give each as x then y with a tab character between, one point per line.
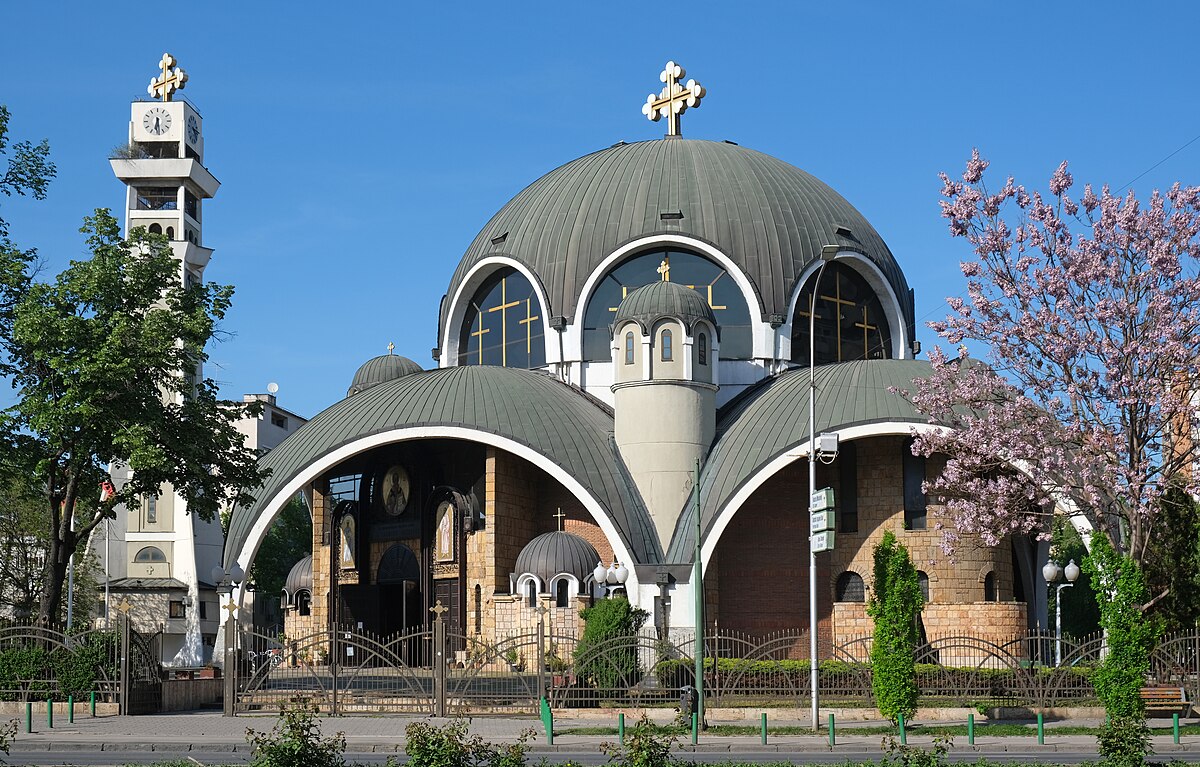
438	609
837	300
710	292
624	292
664	269
867	327
479	334
391	348
528	323
503	308
124	606
171	80
674	99
560	517
230	607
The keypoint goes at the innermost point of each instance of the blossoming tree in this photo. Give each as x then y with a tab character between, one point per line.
1089	310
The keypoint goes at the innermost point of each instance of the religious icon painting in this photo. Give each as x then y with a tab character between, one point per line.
394	490
443	542
348	542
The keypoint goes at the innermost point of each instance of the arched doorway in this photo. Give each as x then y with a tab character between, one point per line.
399	581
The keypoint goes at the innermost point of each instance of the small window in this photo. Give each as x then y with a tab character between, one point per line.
176	609
915	502
303	603
170	232
668	352
203	610
278	419
155	229
850	588
151	509
989	588
629	348
702	342
923	581
562	593
531	591
150	554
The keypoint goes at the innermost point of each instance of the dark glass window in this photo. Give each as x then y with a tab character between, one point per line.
176	609
531	591
562	593
915	502
150	554
703	342
923	581
203	610
503	324
668	353
155	229
304	603
850	588
151	509
850	324
989	588
629	348
689	269
157	198
847	502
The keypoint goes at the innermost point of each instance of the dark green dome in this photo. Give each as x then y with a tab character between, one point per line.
652	302
381	369
557	552
770	218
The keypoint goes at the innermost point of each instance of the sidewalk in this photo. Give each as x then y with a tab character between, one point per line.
210	731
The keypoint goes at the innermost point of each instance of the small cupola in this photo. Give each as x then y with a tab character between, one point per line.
557	563
297	589
381	369
664	331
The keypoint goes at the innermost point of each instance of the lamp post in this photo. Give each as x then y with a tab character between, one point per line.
828	254
226	582
611	577
1053	572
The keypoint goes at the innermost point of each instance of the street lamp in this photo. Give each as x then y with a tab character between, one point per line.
611	577
1053	572
828	254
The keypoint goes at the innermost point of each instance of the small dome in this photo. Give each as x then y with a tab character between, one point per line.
552	553
381	369
652	302
299	577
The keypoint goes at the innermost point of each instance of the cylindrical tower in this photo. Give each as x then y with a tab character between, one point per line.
665	380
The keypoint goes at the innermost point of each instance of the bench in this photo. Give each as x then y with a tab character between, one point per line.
1165	701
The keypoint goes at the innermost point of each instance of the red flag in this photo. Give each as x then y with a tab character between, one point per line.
107	490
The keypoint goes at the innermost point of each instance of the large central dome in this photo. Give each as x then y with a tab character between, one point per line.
770	218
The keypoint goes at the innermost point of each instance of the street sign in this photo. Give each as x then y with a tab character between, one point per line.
821	500
822	541
819	521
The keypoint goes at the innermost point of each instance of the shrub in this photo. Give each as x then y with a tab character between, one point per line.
646	745
296	741
448	746
895	603
600	658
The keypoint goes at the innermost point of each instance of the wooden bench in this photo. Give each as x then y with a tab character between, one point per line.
1164	701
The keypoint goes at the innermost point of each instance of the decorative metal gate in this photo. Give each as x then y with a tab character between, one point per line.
141	671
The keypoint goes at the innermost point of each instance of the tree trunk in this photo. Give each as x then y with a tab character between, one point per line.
57	557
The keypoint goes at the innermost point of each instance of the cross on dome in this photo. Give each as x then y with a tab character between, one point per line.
674	99
173	78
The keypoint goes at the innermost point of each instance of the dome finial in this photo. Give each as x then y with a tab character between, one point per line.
664	269
391	347
173	78
674	99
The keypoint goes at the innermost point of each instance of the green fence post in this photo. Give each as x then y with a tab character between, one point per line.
28	716
93	704
71	709
763	728
832	737
695	727
1175	728
903	733
550	728
1041	730
50	713
971	729
621	728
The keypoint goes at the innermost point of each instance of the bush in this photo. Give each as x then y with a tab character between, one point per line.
602	661
448	746
895	603
296	741
646	745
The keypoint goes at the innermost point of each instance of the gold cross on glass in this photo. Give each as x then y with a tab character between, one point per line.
674	99
837	301
503	308
528	323
664	269
173	79
866	328
479	334
438	609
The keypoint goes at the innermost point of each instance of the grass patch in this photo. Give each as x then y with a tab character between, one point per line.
982	730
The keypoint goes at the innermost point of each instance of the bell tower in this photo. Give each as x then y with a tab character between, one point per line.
163	170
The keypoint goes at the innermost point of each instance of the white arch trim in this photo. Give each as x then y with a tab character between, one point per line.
466	289
874	277
524	580
272	508
800	453
575	335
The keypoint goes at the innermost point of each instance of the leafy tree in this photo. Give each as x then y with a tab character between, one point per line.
1089	310
1081	615
1173	564
895	603
606	655
102	361
27	171
287	542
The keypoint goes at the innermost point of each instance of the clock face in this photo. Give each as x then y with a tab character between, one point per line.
157	121
394	490
193	129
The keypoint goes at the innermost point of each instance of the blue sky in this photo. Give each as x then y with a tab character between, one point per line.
361	145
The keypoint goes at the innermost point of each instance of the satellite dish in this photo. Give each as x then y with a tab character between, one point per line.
272	388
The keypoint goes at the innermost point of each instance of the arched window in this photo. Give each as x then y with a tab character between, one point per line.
629	348
531	588
155	229
923	581
170	232
702	343
849	588
849	322
303	603
151	509
562	593
989	588
503	324
668	352
150	554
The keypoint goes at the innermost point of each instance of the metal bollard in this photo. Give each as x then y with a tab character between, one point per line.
695	727
763	728
621	728
903	732
1175	728
832	737
28	716
1041	730
50	713
93	704
971	729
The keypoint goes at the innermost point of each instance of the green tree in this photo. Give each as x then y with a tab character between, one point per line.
103	360
287	542
896	602
1124	739
606	655
1173	561
1081	615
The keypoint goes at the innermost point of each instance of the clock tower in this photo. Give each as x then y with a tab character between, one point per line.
163	169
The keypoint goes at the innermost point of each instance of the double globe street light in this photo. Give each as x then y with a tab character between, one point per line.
611	577
1053	573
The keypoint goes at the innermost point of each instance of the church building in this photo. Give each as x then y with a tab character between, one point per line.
633	317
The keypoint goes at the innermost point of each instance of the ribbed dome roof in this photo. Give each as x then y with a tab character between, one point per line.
557	552
300	577
664	299
381	369
769	217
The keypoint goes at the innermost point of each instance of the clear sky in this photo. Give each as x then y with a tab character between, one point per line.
362	145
